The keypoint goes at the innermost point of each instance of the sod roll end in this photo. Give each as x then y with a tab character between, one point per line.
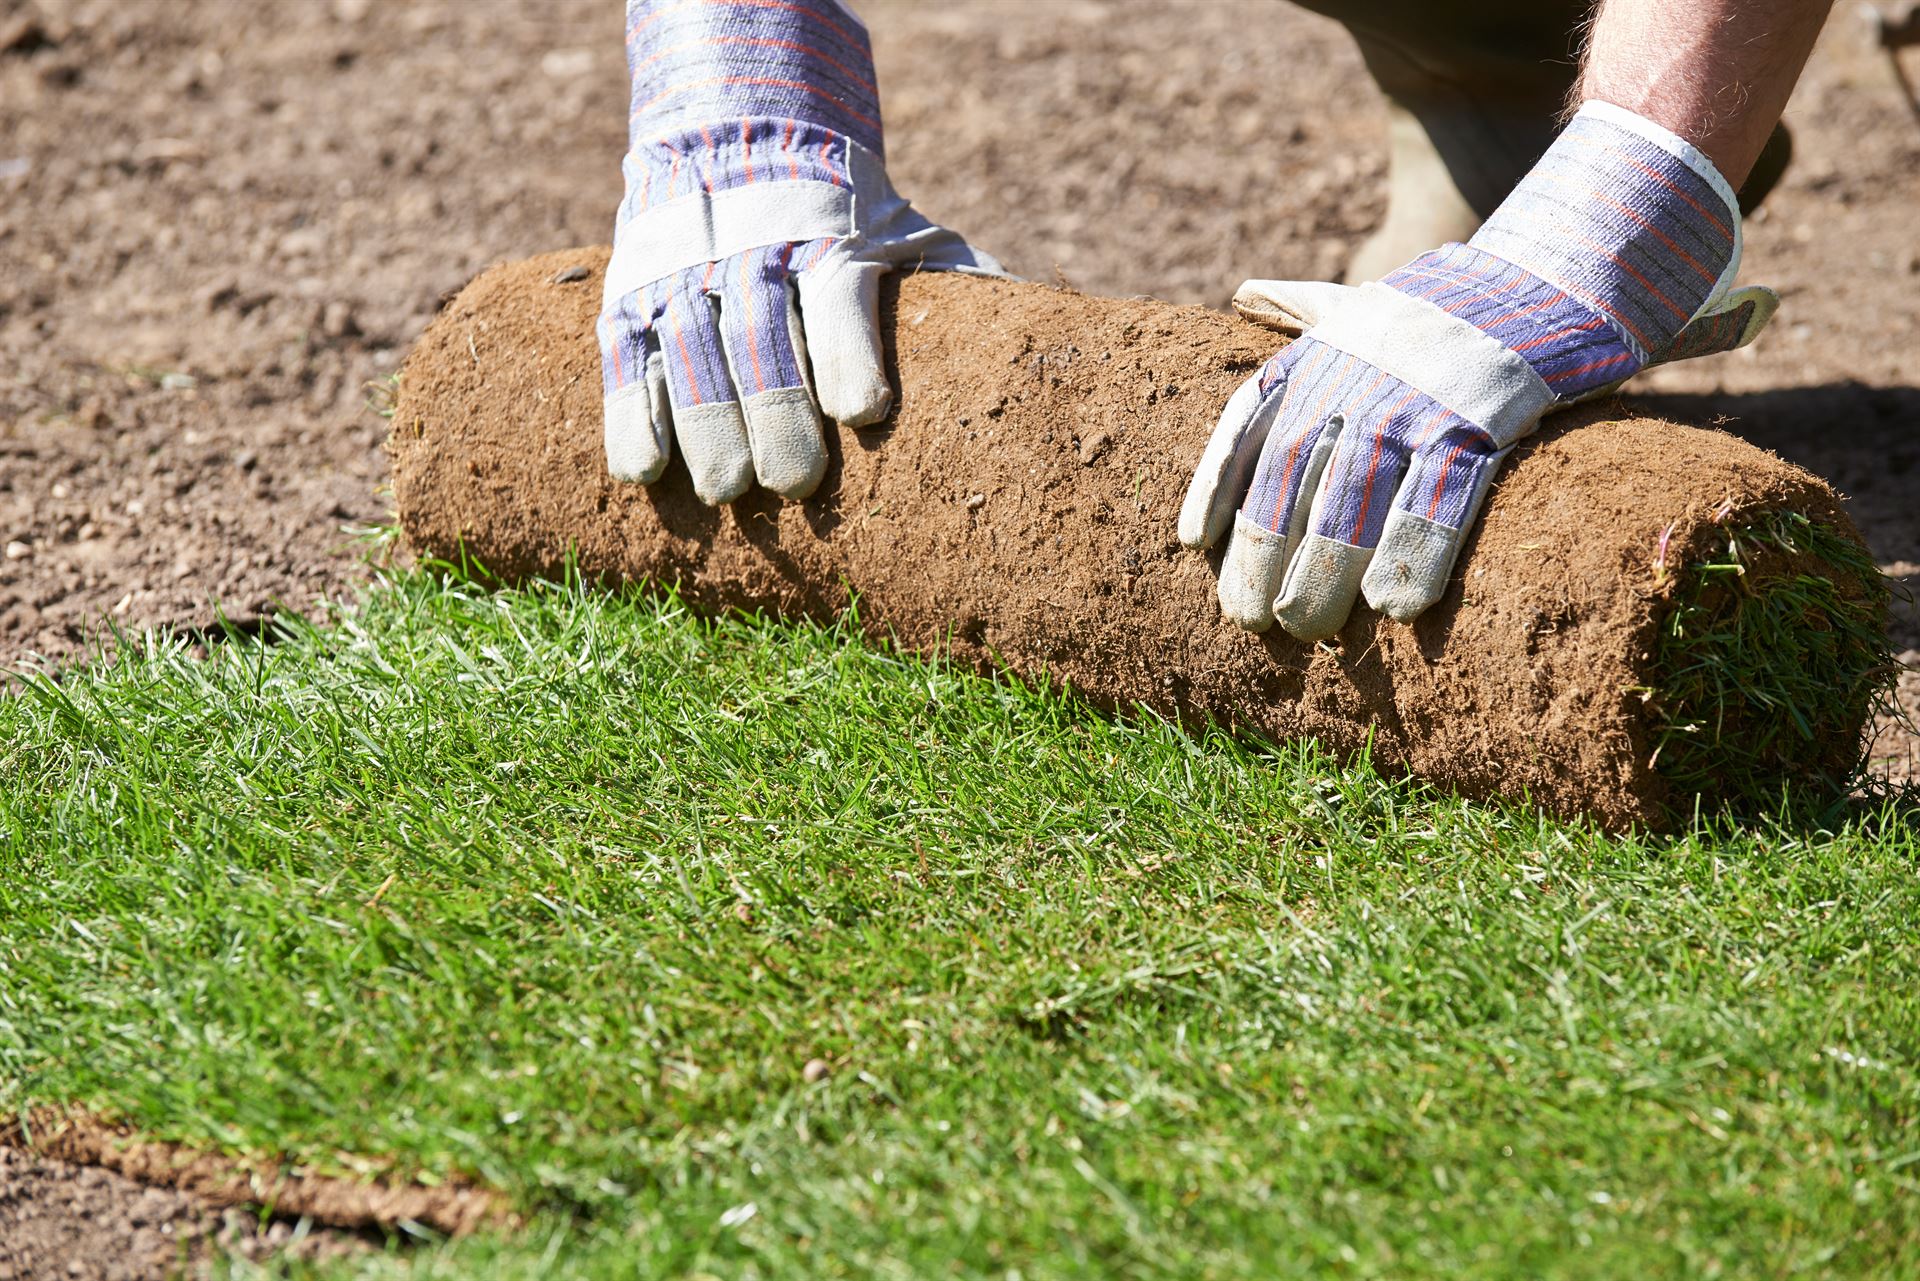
1651	616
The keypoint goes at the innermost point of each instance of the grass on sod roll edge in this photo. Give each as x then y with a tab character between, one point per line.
1772	651
1096	996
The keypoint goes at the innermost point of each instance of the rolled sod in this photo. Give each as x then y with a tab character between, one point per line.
1650	617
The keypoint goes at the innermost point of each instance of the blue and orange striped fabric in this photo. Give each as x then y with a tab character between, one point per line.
1394	440
1625	227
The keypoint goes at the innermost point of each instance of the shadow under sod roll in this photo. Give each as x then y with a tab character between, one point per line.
1612	644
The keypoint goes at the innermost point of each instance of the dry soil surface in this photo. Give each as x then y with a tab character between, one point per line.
220	223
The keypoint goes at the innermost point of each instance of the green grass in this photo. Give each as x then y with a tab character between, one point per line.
1102	997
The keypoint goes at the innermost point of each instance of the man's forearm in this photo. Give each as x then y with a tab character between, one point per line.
1716	72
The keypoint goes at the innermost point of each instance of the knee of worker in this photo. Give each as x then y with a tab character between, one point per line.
1473	95
1426	207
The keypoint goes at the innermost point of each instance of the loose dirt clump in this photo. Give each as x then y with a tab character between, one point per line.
1020	506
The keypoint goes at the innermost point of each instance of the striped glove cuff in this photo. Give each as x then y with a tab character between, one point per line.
805	61
1618	237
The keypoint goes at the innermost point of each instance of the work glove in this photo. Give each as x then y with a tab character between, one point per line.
743	294
1357	459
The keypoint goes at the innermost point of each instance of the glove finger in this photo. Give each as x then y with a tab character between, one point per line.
705	407
1226	465
1273	518
1290	306
1316	392
636	418
757	336
901	237
1733	322
839	315
1436	505
1727	325
1349	511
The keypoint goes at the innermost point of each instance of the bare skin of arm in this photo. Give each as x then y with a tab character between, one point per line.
1715	72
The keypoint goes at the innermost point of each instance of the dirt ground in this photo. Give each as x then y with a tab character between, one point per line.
83	1223
220	224
81	1196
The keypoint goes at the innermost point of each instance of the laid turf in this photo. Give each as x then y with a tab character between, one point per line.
565	892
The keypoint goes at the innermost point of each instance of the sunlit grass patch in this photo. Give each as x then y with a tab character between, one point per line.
566	891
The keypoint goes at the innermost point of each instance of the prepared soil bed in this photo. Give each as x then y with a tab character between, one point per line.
80	1222
1649	611
219	224
58	1219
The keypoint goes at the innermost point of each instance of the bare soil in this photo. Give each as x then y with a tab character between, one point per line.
59	1219
219	223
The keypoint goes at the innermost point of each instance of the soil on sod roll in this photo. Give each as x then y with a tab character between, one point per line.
1019	508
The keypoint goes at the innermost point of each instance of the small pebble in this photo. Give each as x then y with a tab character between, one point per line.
567	275
816	1070
976	502
303	243
17	550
